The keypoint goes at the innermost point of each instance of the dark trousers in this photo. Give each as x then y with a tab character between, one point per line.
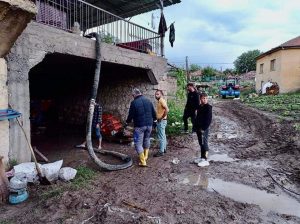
186	116
203	141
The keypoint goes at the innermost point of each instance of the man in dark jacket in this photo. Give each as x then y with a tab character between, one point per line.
190	107
142	113
202	123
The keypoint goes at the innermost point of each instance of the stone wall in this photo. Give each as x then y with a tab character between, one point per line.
14	16
115	95
38	40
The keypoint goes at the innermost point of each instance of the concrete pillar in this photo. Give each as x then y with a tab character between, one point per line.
19	99
4	125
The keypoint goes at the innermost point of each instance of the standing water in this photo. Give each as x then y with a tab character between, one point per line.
282	204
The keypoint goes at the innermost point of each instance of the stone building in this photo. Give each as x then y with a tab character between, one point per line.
282	65
48	69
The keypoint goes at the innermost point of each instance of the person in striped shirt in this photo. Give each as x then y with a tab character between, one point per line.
96	126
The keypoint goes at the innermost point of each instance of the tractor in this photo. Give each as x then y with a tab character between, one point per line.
230	89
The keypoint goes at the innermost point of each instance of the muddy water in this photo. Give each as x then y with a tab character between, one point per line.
267	202
281	204
221	158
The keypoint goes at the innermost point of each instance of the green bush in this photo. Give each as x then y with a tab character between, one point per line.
175	117
176	106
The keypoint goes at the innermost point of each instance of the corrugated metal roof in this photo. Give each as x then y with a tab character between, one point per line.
129	8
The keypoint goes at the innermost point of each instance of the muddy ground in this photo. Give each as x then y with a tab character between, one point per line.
235	188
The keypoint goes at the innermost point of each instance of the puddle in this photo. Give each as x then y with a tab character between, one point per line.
196	179
256	164
267	202
281	204
221	158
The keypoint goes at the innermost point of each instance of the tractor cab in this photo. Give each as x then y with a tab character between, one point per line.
230	89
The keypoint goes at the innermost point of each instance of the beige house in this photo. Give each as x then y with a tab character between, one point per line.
282	65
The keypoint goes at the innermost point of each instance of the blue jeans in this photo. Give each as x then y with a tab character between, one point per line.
203	141
141	138
98	133
161	134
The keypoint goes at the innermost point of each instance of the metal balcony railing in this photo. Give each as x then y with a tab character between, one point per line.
83	18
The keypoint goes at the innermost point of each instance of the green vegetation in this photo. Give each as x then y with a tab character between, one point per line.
209	74
176	105
12	163
247	88
194	67
83	177
246	62
286	105
6	222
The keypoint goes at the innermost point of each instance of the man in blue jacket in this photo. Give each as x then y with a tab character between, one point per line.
142	113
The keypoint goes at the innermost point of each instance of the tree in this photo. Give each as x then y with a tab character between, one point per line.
229	71
247	61
209	72
194	67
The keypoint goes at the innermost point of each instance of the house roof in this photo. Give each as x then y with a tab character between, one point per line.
129	8
291	44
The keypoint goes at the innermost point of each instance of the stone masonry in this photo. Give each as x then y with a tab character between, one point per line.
38	40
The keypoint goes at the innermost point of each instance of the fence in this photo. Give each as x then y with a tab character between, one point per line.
83	18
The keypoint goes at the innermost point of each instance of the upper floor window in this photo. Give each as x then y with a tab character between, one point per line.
261	68
272	65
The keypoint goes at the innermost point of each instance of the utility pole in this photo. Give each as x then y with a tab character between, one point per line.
187	68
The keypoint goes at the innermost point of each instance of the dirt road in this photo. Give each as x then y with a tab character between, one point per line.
235	188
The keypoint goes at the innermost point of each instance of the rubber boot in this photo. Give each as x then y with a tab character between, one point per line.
142	159
146	153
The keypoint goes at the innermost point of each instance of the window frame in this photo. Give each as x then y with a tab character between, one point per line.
261	68
273	65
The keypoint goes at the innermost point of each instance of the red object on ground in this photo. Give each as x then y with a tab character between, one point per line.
110	125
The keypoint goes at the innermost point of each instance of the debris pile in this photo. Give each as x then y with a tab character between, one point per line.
16	188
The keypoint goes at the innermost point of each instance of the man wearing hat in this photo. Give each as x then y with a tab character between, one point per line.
142	113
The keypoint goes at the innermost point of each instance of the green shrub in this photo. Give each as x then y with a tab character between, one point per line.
176	106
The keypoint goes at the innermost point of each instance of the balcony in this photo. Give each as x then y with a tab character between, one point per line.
80	17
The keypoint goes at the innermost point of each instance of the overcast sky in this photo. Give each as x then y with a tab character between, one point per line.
212	32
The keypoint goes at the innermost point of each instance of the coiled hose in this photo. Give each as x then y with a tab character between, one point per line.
123	157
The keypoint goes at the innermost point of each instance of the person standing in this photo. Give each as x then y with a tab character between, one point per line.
190	107
142	113
96	125
161	114
202	123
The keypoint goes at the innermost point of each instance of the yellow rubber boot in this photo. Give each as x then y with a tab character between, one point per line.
142	159
146	154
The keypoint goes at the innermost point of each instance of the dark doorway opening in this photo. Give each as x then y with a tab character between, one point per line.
60	88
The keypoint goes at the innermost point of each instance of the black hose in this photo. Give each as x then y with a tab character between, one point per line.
280	185
101	164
